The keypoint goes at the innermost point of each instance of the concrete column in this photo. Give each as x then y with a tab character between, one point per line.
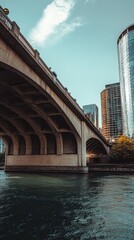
59	142
15	146
28	145
43	143
83	145
15	29
79	144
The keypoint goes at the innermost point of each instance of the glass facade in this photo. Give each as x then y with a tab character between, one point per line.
111	111
126	69
91	112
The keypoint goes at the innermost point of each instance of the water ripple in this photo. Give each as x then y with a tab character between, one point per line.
66	207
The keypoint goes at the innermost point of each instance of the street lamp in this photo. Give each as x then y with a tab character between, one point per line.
6	11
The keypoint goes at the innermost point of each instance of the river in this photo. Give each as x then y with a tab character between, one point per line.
66	206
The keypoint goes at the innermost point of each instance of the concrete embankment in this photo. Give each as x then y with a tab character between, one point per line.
91	168
111	167
45	169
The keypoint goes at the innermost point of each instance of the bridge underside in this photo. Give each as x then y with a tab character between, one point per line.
40	123
95	147
33	128
36	132
95	151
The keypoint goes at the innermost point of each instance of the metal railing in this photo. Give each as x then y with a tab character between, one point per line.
5	20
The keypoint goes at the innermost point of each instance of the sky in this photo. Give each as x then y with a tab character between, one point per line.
77	39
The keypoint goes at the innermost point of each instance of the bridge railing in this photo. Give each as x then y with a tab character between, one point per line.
26	44
15	30
5	20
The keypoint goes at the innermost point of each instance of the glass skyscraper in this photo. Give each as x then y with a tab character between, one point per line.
91	111
111	111
126	69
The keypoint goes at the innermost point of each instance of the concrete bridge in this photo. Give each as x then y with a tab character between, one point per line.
42	126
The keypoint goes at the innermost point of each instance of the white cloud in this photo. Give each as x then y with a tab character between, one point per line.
65	29
90	1
53	21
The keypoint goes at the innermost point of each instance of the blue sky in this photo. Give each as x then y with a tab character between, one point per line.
77	39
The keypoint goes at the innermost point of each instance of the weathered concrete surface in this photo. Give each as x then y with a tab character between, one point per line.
42	160
44	163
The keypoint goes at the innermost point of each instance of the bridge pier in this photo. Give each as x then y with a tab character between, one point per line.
83	144
44	163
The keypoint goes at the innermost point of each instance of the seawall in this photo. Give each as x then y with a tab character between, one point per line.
111	167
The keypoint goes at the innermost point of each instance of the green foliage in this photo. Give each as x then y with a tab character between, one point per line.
123	150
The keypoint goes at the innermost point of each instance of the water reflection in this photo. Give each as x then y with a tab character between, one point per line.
61	207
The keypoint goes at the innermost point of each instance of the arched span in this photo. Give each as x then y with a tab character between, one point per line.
9	144
94	146
29	110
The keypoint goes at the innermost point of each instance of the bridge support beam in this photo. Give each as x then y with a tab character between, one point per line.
83	145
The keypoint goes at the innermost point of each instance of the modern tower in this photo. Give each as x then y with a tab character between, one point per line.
91	112
111	111
126	69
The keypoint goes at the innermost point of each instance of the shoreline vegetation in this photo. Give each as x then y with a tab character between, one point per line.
121	158
122	151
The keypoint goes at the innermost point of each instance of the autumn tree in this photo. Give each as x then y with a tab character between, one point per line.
123	150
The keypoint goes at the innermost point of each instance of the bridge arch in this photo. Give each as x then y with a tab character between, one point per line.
38	116
9	142
23	79
95	147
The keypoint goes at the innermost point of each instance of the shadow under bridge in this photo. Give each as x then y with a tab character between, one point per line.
95	151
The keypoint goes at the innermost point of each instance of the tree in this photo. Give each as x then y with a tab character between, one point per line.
123	150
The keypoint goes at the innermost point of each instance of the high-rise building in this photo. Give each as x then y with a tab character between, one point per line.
91	112
111	111
126	68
